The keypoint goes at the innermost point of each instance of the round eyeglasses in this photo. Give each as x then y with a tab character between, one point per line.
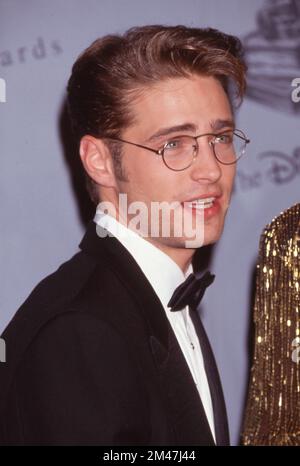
180	152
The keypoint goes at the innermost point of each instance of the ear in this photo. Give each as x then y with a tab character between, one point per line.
97	161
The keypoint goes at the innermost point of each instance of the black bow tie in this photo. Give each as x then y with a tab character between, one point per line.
191	291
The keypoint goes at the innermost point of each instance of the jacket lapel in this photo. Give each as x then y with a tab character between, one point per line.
182	400
218	402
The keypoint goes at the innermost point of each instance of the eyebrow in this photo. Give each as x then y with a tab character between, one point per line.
172	129
218	124
215	125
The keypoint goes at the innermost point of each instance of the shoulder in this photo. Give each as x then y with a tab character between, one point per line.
54	291
282	232
70	290
278	265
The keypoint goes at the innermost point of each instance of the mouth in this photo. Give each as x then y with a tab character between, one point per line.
201	204
209	205
206	201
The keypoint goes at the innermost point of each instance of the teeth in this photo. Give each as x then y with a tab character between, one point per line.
201	203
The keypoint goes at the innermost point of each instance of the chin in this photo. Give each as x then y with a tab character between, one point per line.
211	237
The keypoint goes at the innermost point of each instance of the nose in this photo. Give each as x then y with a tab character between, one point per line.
205	166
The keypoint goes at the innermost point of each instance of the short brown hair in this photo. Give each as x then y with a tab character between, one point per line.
107	75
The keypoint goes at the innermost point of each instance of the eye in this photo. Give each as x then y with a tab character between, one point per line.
224	138
173	144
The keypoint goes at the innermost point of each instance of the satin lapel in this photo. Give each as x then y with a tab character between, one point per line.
219	407
183	404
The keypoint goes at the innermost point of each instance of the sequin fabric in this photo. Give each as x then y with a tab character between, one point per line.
273	406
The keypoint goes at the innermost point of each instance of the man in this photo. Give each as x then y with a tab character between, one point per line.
103	352
273	408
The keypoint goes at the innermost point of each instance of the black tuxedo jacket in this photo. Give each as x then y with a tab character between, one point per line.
92	359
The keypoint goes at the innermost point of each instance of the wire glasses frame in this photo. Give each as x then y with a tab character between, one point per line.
222	144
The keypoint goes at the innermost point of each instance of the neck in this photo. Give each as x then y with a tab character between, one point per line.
181	256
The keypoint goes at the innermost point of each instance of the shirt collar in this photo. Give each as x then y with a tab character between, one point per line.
161	271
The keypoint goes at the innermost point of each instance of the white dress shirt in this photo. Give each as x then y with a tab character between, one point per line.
164	276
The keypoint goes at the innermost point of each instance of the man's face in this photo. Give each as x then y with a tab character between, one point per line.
198	105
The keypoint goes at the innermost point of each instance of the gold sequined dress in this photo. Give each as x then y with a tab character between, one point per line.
273	406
